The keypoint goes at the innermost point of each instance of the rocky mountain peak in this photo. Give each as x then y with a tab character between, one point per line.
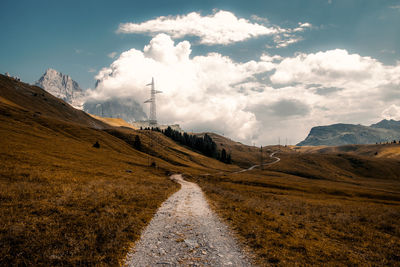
51	71
62	86
65	88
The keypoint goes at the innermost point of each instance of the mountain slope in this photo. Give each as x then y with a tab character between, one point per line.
117	122
37	101
62	86
65	202
31	104
343	134
242	155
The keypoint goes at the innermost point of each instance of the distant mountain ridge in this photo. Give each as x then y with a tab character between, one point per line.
346	134
387	124
62	86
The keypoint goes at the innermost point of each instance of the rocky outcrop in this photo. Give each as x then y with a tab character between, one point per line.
63	87
344	134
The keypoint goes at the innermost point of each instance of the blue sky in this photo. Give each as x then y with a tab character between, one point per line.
77	38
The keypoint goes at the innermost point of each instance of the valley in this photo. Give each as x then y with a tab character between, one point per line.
66	202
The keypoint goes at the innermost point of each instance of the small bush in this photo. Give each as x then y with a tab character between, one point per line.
96	145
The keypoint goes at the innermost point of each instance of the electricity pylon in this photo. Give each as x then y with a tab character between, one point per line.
152	101
153	114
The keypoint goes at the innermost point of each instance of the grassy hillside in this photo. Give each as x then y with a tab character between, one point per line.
64	202
117	122
35	100
374	151
314	209
242	155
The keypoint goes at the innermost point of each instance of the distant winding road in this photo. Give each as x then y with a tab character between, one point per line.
272	155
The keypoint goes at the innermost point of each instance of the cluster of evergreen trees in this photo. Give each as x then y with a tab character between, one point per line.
204	144
388	142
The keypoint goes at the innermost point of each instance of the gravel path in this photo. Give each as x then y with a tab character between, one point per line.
185	232
272	156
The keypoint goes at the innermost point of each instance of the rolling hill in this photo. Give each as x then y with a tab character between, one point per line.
391	150
242	155
66	202
23	98
324	208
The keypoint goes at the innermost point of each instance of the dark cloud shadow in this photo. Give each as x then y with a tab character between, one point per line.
281	109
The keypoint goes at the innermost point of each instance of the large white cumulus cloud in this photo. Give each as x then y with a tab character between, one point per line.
334	67
349	86
392	112
256	101
198	92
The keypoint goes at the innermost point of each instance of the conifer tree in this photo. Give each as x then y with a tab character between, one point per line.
223	155
137	144
229	159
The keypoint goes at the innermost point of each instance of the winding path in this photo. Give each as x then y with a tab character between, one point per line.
185	232
272	155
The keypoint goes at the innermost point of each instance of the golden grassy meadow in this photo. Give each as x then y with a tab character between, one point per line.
314	210
64	202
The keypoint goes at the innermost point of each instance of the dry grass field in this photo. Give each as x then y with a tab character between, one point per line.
64	202
328	209
117	122
375	150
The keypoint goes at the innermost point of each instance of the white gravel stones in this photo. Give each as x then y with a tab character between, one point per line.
185	232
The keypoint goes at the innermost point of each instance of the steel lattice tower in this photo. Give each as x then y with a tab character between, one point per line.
152	101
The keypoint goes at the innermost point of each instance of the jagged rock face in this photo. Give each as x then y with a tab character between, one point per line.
62	86
124	108
345	134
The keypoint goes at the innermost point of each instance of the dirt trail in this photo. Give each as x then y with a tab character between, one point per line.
272	155
185	232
